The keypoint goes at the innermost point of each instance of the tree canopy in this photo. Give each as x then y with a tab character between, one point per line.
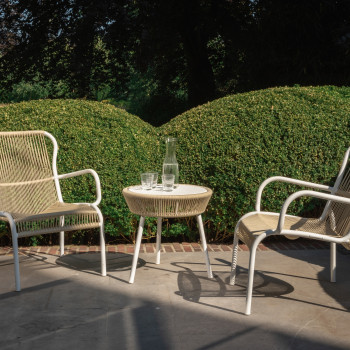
158	58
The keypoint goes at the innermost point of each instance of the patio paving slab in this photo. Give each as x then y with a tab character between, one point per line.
65	303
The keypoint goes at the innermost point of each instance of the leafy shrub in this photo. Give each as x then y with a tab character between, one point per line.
103	92
118	145
25	91
35	90
230	145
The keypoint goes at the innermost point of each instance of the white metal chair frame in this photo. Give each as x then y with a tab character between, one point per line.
332	197
56	178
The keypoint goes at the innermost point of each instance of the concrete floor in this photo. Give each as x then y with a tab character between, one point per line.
65	304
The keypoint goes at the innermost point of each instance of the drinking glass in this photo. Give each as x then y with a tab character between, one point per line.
155	179
146	181
168	182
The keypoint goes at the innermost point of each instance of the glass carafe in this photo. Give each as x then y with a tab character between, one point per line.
170	164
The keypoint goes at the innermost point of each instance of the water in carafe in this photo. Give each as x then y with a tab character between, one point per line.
172	168
170	164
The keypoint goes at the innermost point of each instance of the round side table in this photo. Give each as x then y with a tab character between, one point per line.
183	201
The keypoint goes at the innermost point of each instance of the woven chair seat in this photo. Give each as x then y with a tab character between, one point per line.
252	226
58	216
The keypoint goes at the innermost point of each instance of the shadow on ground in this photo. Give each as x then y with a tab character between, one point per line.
65	304
91	263
340	290
193	285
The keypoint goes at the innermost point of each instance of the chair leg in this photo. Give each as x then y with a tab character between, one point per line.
234	260
333	258
251	273
103	251
137	249
62	236
61	243
16	263
15	254
204	244
159	238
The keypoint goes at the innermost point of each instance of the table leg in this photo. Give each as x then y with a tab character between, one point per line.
159	238
137	249
204	244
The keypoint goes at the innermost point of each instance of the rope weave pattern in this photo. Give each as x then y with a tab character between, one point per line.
336	222
26	176
167	206
28	191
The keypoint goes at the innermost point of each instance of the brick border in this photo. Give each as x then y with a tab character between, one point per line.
184	247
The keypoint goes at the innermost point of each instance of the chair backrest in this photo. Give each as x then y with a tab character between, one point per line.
338	214
26	176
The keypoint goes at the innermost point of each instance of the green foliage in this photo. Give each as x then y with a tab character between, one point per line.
163	57
230	145
118	145
103	92
36	89
149	99
25	91
177	229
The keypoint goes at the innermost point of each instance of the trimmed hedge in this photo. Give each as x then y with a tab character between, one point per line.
234	143
231	145
118	145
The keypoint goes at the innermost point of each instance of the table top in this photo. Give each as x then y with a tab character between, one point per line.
185	200
180	190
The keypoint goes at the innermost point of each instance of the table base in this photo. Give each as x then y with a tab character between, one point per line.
159	233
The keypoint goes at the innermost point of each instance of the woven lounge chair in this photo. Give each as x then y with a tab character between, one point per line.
30	196
332	226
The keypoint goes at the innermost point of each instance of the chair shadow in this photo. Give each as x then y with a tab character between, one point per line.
91	262
23	258
195	285
339	290
36	289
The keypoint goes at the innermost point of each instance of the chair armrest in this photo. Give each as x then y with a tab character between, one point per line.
82	172
288	180
315	194
8	216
